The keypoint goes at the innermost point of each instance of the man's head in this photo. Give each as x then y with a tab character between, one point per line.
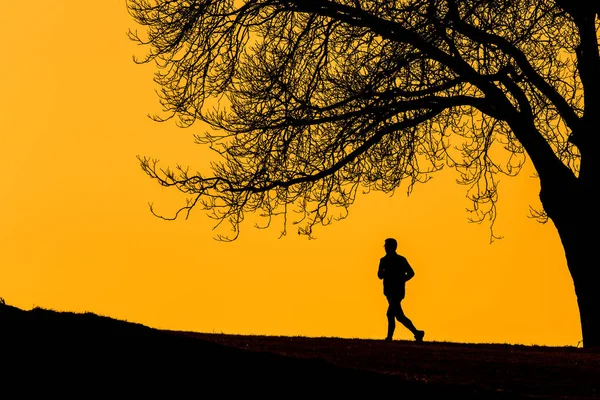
390	245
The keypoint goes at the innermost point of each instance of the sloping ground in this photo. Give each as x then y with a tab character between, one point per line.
87	356
527	371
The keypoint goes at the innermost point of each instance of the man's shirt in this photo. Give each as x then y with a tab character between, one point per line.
395	270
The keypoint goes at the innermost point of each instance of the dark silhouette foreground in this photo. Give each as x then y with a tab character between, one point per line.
85	355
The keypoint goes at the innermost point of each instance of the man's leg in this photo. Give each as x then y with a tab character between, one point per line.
391	317
403	319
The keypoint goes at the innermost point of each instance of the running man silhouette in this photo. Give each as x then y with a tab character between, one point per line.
395	271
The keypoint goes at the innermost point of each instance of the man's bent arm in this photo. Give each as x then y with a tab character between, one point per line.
381	270
409	272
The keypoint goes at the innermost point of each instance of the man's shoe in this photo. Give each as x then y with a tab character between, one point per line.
419	336
388	339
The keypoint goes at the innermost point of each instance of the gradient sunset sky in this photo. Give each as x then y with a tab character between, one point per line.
77	234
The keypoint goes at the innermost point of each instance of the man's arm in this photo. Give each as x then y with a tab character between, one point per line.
381	270
409	273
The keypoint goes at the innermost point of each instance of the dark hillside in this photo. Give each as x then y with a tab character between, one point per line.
86	355
538	371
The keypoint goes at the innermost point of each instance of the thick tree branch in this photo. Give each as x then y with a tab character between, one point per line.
480	36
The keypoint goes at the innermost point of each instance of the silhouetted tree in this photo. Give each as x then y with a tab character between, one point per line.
316	100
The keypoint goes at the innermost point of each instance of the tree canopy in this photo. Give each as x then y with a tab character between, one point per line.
310	102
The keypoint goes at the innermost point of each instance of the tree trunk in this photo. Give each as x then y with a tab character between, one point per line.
581	254
571	208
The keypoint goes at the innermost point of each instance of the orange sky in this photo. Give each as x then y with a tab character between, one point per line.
77	234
